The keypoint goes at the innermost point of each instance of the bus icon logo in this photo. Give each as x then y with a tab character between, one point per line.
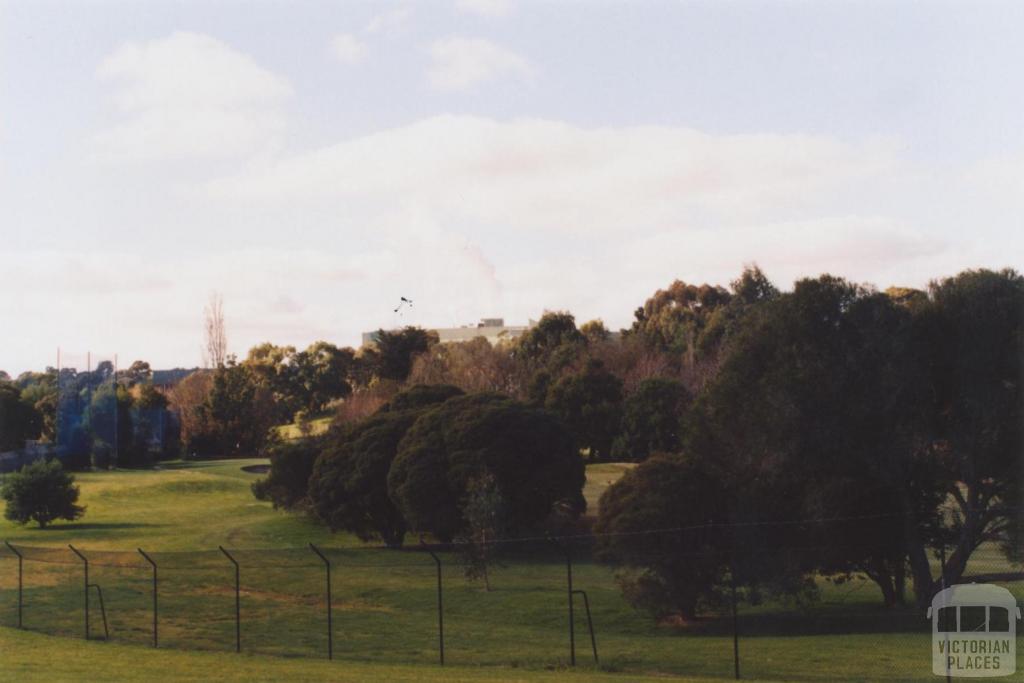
974	631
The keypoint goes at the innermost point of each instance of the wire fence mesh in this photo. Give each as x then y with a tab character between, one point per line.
385	607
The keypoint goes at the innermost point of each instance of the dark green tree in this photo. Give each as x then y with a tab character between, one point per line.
18	420
974	330
395	351
41	492
590	404
651	420
348	486
668	572
291	464
528	452
240	411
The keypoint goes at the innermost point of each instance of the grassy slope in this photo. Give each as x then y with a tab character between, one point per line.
291	431
384	615
31	657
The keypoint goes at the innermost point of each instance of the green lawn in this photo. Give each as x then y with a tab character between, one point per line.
384	602
318	425
35	658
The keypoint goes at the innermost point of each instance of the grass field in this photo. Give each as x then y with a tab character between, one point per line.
384	603
317	425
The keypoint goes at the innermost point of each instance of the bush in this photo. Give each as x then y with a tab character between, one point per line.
43	492
665	573
527	451
349	486
291	464
651	420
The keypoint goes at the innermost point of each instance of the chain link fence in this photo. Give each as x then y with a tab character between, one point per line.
542	604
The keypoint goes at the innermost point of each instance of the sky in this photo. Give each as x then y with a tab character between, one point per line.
313	162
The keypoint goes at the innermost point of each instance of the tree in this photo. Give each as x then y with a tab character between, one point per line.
18	420
348	486
974	327
239	410
552	343
670	572
651	420
291	464
320	375
41	492
674	318
138	372
396	351
215	338
590	405
189	400
473	366
813	414
528	452
594	331
487	518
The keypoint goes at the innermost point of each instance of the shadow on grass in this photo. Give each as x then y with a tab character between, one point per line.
99	526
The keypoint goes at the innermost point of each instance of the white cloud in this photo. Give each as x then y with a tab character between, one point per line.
188	96
460	63
347	49
392	21
485	8
547	175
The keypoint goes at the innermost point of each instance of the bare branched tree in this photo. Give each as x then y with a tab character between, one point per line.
215	352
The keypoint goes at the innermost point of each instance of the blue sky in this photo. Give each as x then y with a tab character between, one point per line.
315	161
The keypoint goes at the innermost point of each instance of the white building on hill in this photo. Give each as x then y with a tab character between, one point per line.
491	329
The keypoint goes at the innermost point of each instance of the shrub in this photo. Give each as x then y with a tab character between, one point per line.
43	492
349	486
665	573
291	464
527	451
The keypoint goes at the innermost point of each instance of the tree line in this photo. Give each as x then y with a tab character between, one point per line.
887	423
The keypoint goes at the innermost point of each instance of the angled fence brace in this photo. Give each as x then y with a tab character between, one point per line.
440	606
86	586
590	622
150	560
20	573
238	600
103	610
330	628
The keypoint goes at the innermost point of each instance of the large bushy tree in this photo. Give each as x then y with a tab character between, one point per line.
589	402
529	454
640	528
651	420
394	352
346	484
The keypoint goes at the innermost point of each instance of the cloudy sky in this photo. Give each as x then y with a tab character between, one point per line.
315	161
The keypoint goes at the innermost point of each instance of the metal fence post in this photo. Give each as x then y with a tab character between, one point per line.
572	625
440	606
238	600
86	586
735	625
150	560
20	572
330	628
